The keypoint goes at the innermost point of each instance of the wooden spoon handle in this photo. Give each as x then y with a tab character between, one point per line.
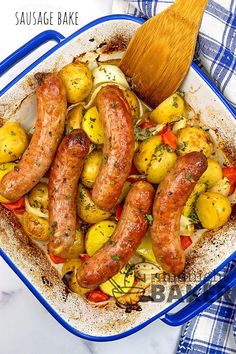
190	9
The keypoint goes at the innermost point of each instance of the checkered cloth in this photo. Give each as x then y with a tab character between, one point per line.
216	46
214	330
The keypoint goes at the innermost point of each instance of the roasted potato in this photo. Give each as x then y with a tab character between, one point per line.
77	248
91	168
153	159
189	206
74	118
13	141
86	208
38	197
212	175
145	249
133	103
222	186
78	81
213	210
4	169
70	267
120	284
92	126
37	228
97	235
194	139
169	110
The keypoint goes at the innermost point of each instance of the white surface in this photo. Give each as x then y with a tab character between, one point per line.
25	326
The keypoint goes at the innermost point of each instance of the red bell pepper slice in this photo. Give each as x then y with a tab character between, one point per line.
97	296
186	241
18	206
168	138
147	123
84	257
119	210
230	173
56	259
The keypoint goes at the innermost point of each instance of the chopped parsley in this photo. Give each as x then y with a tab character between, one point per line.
111	242
190	177
149	219
115	257
54	225
175	103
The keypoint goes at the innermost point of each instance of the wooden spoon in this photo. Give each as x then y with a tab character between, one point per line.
159	55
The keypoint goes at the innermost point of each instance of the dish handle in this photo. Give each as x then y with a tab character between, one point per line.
29	47
203	301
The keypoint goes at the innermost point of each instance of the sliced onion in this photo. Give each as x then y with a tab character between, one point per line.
186	226
180	124
34	211
109	73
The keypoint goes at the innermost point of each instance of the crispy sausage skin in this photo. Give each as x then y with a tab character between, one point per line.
62	190
132	226
118	148
36	160
172	194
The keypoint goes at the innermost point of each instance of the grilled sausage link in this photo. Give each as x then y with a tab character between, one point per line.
36	160
118	148
171	196
62	190
132	226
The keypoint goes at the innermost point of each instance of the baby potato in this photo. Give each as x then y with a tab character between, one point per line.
169	110
213	210
72	266
120	284
86	208
194	139
92	126
145	249
78	81
37	228
4	169
77	248
74	118
13	141
133	103
161	163
189	206
91	168
38	197
212	174
97	235
153	159
222	186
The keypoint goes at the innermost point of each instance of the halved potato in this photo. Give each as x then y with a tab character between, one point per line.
86	208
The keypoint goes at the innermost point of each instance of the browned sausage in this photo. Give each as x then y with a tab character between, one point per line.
62	190
51	114
172	194
132	226
118	148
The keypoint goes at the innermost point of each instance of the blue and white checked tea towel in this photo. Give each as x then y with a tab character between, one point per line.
214	330
216	47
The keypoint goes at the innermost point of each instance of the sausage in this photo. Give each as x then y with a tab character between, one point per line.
62	190
36	160
118	148
171	196
132	226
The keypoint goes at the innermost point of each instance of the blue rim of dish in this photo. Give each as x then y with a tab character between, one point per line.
41	299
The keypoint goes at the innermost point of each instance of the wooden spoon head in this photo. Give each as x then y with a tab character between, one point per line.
160	54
